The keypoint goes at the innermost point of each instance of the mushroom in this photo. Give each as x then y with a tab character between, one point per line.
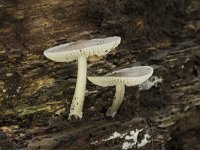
128	76
81	50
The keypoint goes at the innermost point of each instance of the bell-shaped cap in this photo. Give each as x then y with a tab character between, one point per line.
72	51
128	76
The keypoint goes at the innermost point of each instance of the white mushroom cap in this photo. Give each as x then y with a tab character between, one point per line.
129	77
71	51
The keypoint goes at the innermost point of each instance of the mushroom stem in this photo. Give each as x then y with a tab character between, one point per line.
119	96
78	99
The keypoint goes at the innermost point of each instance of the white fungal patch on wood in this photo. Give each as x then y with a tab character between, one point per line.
144	141
130	139
133	135
114	136
127	145
152	81
18	89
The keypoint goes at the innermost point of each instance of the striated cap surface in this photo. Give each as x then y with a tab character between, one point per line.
128	76
71	51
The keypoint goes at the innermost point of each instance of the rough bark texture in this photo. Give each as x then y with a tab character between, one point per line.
38	24
36	93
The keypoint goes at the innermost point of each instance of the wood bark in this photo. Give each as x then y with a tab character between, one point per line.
36	93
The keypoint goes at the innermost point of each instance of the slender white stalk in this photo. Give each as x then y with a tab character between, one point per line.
78	99
119	96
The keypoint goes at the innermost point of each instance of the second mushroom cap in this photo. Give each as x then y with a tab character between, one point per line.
128	76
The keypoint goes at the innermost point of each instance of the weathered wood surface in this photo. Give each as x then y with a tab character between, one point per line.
35	92
36	25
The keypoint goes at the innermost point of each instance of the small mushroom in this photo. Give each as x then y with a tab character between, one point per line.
129	76
81	50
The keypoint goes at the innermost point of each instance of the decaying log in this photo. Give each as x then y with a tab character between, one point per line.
34	91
